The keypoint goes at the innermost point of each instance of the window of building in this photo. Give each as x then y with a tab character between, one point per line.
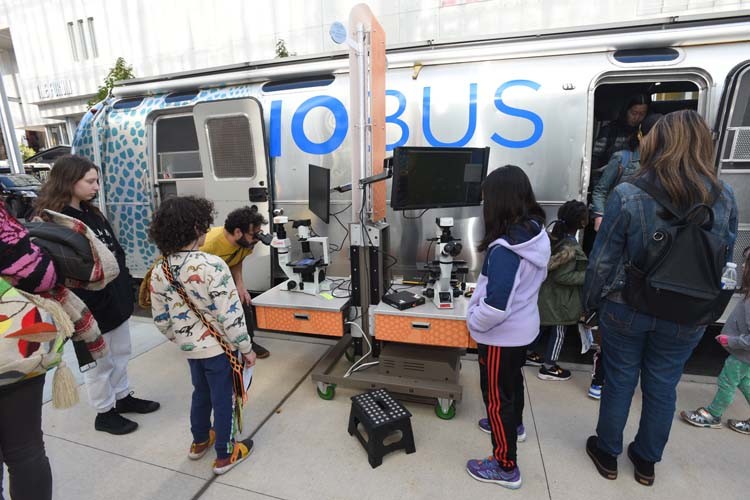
92	38
82	36
177	154
72	39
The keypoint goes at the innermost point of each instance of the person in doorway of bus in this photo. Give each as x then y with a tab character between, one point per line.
232	243
618	134
622	166
72	185
677	157
194	303
560	295
735	338
503	315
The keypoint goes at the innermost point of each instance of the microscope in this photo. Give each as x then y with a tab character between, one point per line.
442	286
306	275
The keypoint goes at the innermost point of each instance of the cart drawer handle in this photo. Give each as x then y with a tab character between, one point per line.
420	325
303	317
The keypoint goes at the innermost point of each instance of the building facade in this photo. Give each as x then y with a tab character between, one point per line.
54	54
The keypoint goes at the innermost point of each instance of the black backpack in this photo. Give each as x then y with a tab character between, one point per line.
679	276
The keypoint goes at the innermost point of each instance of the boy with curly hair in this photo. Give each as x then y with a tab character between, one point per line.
195	304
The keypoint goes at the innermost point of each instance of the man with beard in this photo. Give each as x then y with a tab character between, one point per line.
232	243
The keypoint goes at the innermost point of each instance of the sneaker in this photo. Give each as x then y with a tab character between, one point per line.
605	463
521	433
595	391
484	425
701	418
741	426
534	359
129	404
489	471
114	423
197	450
554	373
260	351
241	451
644	470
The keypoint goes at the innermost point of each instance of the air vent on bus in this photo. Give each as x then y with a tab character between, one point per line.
128	103
299	83
181	96
645	55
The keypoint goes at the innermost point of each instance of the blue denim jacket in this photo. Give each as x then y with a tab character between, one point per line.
631	163
630	217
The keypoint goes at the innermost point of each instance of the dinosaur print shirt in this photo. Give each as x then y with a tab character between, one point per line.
210	287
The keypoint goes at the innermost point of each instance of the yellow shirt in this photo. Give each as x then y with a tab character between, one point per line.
217	244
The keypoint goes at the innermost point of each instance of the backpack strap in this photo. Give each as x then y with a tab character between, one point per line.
658	195
662	199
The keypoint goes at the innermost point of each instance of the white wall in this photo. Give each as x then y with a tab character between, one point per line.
164	36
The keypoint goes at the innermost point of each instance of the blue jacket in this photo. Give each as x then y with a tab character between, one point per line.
630	217
631	163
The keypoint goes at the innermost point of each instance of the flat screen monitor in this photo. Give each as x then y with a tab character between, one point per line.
319	191
438	177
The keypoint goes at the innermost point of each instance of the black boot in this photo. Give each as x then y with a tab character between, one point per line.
260	351
114	423
644	470
129	404
605	463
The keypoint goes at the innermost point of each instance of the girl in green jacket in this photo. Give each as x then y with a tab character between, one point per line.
560	297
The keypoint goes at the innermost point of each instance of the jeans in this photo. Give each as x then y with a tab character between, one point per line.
212	389
21	443
656	350
501	381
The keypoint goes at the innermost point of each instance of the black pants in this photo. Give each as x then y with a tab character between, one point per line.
501	379
249	320
21	443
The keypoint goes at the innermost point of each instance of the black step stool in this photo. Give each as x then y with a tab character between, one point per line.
380	415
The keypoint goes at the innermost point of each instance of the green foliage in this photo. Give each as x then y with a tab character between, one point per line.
281	50
26	151
120	71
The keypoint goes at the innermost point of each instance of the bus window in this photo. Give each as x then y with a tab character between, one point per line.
177	155
735	153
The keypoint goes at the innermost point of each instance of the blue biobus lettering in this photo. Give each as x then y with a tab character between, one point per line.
341	120
521	113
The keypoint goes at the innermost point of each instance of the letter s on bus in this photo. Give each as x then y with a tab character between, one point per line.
534	118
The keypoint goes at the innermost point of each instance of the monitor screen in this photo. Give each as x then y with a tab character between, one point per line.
319	191
438	177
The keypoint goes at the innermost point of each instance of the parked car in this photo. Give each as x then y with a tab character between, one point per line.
18	192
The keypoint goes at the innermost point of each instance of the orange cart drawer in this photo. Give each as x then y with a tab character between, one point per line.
300	321
427	331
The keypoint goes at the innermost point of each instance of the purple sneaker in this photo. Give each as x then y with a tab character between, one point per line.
488	471
484	425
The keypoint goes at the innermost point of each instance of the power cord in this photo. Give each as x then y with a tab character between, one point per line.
359	365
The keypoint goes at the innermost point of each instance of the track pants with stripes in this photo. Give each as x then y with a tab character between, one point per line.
501	380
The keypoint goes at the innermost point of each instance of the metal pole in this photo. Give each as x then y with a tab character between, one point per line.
6	124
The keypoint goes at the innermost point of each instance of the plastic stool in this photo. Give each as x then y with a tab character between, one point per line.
380	415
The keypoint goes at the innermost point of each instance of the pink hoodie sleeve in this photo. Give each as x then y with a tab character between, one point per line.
23	263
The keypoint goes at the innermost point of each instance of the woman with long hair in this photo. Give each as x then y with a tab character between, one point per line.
677	161
72	185
503	316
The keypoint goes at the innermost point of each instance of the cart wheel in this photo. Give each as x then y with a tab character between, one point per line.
445	415
328	393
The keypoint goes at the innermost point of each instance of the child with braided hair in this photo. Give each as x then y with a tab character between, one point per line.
560	296
195	304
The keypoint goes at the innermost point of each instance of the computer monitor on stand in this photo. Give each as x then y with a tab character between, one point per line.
319	192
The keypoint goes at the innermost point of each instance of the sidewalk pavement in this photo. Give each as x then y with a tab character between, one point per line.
303	451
